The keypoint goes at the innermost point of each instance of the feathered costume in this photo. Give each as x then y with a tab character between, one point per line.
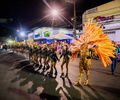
93	37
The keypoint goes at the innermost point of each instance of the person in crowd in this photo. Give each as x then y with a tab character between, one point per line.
118	53
114	60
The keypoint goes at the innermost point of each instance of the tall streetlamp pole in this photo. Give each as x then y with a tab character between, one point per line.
74	25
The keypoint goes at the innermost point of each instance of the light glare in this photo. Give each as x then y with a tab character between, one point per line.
22	34
55	12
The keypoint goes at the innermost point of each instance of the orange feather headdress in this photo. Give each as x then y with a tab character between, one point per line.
93	35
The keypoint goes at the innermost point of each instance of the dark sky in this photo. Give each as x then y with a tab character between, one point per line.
28	12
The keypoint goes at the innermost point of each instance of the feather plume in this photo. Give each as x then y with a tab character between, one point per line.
93	35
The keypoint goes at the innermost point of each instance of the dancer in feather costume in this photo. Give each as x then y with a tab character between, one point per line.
93	37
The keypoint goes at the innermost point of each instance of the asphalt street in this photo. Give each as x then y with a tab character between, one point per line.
18	81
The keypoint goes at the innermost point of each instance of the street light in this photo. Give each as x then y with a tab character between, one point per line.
18	30
54	12
22	34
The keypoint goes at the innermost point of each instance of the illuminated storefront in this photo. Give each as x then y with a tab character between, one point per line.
46	34
108	15
42	33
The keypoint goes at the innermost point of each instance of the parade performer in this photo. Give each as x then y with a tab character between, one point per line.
92	37
30	52
44	57
48	57
66	58
53	59
35	54
40	56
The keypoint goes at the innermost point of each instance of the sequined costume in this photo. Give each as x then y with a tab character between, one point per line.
92	38
53	61
66	58
85	62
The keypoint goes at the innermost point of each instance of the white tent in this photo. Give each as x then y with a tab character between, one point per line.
60	36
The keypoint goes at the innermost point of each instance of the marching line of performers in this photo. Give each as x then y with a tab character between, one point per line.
45	57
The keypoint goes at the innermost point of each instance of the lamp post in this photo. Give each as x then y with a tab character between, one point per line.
74	19
74	25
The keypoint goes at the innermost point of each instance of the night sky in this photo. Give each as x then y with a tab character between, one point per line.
27	13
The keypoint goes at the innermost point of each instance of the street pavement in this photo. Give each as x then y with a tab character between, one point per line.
18	81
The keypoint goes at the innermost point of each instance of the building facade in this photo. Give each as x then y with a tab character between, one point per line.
108	15
45	34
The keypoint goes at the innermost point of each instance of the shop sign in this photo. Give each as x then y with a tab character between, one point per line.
102	18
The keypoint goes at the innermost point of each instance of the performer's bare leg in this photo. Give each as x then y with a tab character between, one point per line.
87	77
51	71
62	73
67	68
54	66
80	76
44	66
80	79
